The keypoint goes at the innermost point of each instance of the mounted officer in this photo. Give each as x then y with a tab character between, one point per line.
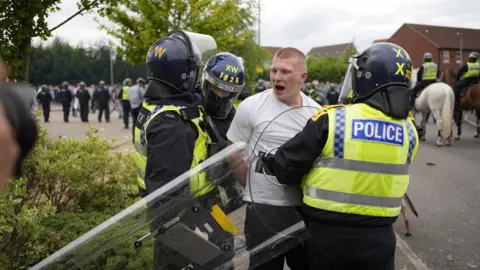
427	74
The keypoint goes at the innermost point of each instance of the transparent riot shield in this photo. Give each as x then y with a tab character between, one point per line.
179	226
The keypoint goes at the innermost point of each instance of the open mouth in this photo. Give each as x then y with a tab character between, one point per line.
279	87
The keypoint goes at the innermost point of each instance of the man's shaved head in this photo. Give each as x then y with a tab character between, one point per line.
290	52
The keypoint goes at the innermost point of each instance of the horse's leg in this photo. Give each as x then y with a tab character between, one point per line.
405	219
423	124
477	133
458	122
437	115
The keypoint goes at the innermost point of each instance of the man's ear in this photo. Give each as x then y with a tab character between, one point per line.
304	77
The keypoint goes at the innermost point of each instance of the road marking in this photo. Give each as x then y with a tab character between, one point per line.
465	118
414	259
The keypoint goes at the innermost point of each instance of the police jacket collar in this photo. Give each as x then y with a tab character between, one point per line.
160	94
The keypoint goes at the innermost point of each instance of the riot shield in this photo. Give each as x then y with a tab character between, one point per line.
179	226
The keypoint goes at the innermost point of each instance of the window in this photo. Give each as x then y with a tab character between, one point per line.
446	55
459	57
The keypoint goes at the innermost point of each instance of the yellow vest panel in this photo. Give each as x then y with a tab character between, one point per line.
430	70
199	185
125	92
363	168
473	70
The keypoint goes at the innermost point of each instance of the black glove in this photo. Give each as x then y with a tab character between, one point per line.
265	163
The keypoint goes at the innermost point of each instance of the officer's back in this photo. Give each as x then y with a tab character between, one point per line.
352	161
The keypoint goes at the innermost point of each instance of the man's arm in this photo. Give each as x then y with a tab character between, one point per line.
171	141
461	71
240	131
419	74
295	158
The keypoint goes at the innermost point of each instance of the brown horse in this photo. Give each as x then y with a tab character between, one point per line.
469	102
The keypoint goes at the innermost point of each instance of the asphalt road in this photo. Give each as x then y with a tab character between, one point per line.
445	188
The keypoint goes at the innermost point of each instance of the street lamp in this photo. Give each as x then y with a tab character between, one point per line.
461	46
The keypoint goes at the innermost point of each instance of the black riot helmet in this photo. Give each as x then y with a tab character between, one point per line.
379	77
223	81
172	61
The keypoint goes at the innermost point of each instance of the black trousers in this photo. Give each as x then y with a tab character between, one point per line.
462	85
350	248
262	223
126	112
84	111
103	108
419	86
135	112
46	111
66	110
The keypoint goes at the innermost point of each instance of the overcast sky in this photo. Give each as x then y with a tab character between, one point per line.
309	23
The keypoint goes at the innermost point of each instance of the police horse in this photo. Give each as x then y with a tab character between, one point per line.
438	99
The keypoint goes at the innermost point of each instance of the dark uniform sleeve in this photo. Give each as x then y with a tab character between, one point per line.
119	96
296	157
419	74
438	73
171	141
461	71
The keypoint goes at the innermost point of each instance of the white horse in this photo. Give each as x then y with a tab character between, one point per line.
437	98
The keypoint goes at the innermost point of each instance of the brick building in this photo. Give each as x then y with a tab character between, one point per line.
444	43
337	50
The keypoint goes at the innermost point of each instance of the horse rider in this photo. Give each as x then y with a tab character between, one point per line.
468	74
342	155
426	75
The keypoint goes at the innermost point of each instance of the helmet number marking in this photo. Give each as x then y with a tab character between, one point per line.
230	79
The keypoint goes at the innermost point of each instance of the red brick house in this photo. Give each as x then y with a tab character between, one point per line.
443	42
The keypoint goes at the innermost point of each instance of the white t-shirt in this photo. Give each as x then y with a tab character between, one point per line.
252	117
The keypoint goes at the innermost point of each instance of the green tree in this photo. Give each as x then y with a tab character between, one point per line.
139	23
58	62
326	69
22	20
349	51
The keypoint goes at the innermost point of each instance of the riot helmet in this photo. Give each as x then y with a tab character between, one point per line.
379	76
427	57
473	56
223	81
175	59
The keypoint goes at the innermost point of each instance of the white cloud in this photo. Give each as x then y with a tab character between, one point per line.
309	23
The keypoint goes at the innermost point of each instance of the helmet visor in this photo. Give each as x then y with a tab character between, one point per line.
346	90
219	97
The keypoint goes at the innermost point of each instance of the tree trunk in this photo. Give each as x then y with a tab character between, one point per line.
25	53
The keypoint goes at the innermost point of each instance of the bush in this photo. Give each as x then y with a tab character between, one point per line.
326	69
67	188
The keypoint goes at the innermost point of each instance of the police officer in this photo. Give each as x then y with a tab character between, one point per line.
123	96
468	74
354	162
66	98
332	95
45	98
135	96
83	98
102	97
170	133
219	97
427	74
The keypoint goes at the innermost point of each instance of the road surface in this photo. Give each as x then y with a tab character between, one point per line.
77	129
445	188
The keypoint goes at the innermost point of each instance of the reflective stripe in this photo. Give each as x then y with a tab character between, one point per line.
339	136
355	199
362	166
141	173
141	149
412	140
